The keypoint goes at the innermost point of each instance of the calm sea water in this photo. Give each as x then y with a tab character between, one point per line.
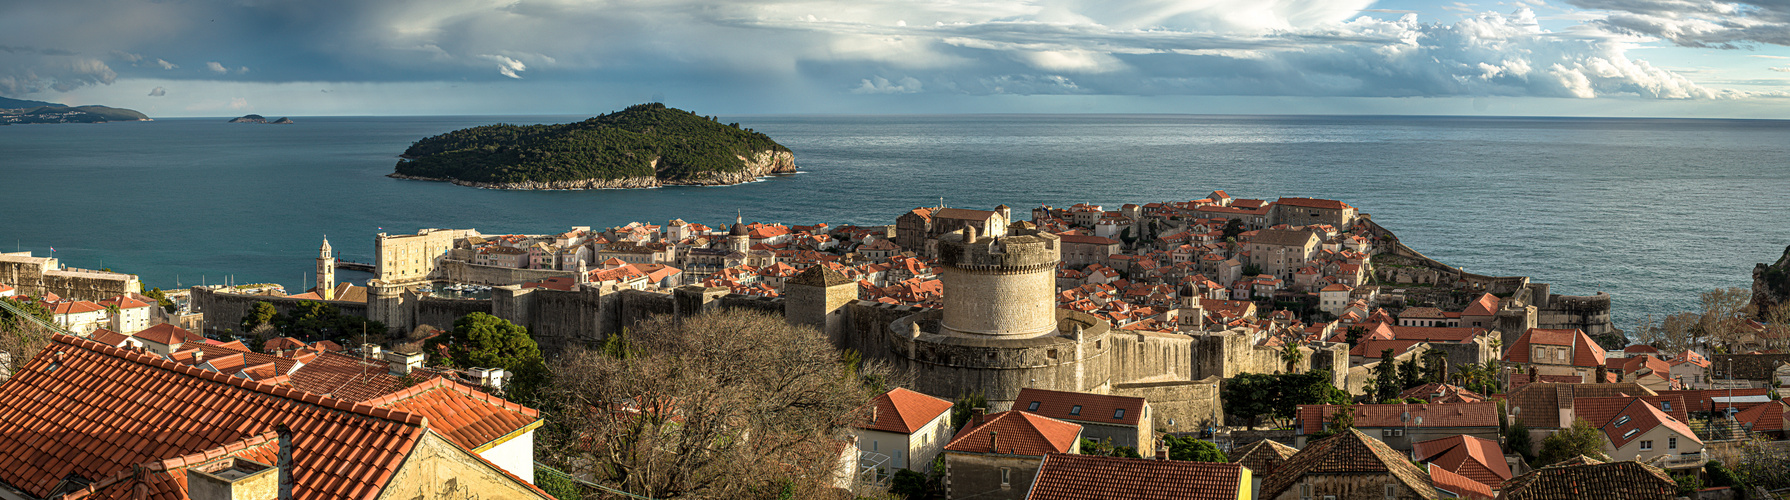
1652	211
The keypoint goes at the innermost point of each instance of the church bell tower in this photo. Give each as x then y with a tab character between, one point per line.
326	271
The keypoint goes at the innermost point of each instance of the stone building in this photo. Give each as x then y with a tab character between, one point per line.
1348	465
997	456
1557	352
919	229
1120	420
1279	252
1080	249
407	258
1312	211
36	276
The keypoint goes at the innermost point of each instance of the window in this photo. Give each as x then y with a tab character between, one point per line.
1630	432
1665	405
1032	407
1304	492
1672	443
874	445
1560	354
1646	445
1075	410
1622	420
1119	413
1391	492
1006	477
1386	432
1398	432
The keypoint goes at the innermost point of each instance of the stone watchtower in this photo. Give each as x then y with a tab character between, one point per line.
999	286
326	271
817	297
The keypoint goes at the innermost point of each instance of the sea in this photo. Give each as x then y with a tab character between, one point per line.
1652	211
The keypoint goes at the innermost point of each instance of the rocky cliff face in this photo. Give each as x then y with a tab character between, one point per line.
1771	283
761	164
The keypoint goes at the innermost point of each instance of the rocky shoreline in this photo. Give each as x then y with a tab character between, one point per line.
762	164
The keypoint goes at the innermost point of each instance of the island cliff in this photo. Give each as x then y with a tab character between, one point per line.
646	145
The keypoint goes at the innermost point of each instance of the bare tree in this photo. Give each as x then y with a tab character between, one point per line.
19	343
1724	314
724	405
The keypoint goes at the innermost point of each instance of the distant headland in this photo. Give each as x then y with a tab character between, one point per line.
645	145
18	111
260	119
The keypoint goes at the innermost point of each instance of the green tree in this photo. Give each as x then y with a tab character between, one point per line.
1435	366
1191	449
1291	355
908	484
1105	448
1386	379
1354	334
1580	439
486	341
1719	475
1516	440
161	299
1688	483
1409	375
1233	227
1277	397
10	322
1252	270
262	313
964	406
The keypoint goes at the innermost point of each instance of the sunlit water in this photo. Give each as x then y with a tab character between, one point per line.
1651	211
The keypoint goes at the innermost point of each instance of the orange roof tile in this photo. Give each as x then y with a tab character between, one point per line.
904	411
1477	458
346	377
1586	352
1461	486
1090	477
1484	414
116	409
167	334
464	415
1017	433
1080	406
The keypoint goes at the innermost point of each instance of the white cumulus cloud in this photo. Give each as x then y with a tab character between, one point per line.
216	67
880	85
158	92
506	66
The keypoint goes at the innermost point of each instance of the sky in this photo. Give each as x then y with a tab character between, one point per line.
173	58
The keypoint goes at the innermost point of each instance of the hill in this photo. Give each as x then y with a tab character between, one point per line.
645	145
64	114
6	103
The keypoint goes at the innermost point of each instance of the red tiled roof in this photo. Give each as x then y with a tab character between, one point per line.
108	337
1477	458
1640	349
1704	400
904	411
1080	406
1539	404
1017	433
1313	203
1374	348
1262	457
124	302
1091	477
1641	418
91	410
1483	414
1764	418
1085	239
1449	394
74	307
1461	486
1436	333
346	377
1348	453
1485	305
464	415
282	344
166	334
1600	410
1586	352
1583	478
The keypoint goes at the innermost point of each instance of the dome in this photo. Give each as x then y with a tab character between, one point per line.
739	229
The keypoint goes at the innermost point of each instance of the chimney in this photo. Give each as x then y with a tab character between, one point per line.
285	461
1162	453
230	479
402	363
976	417
994	443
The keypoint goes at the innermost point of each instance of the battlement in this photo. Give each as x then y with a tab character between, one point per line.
1022	250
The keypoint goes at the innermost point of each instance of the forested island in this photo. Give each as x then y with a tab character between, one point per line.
645	145
16	111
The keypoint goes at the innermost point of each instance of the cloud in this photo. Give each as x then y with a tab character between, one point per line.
1781	69
506	66
1697	23
880	85
158	92
25	70
166	64
216	67
239	103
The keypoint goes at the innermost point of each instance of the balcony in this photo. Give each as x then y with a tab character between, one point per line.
1684	460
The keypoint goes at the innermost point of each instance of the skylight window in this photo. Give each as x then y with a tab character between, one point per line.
1622	420
1630	432
1119	413
1032	407
1075	410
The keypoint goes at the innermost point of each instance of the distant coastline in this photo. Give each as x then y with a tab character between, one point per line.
23	112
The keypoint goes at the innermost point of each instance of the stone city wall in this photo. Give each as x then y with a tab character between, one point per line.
33	276
460	271
1191	404
441	313
224	311
1588	313
1754	367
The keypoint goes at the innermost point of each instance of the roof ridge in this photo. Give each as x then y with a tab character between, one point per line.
277	391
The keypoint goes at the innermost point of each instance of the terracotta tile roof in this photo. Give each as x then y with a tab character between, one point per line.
1583	478
167	334
112	409
1586	352
108	337
230	361
1081	406
1483	414
1601	410
1449	394
1374	348
346	377
1539	404
74	307
1763	418
1477	458
1017	433
903	411
1348	454
1640	349
282	344
1262	457
1637	419
1485	305
1091	477
1421	313
466	416
1704	399
1450	334
1312	203
1461	486
124	302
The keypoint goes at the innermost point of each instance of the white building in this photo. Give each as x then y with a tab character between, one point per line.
906	430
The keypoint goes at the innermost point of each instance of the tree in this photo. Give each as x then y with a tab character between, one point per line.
1277	397
1435	366
1105	448
1724	314
964	407
485	341
1688	483
1580	439
1191	449
1341	420
1252	270
908	484
1516	440
1291	355
1762	464
1409	375
730	404
1386	379
21	339
1354	334
262	313
1721	476
1232	228
161	299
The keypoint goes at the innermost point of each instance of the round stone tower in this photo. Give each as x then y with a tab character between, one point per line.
999	286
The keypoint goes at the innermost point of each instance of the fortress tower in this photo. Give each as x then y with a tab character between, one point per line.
1002	286
326	271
